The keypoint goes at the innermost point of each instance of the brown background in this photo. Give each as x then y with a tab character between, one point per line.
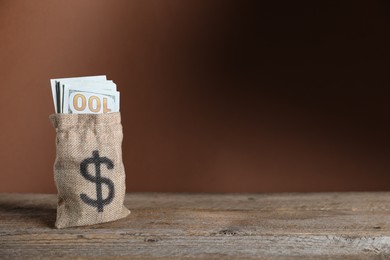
216	96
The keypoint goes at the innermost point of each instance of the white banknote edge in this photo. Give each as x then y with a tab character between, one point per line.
91	85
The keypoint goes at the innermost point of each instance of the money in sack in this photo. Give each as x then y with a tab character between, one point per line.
88	169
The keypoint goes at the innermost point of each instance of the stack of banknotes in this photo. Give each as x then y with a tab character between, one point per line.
85	95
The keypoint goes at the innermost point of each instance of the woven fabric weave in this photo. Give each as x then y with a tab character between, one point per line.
88	169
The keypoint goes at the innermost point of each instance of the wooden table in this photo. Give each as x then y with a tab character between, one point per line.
165	226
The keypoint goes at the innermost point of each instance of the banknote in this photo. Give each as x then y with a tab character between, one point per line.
85	95
89	101
68	88
57	87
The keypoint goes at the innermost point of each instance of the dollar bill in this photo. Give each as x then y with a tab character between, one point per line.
57	87
89	101
85	95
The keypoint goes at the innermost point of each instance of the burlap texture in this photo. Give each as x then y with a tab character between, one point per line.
89	144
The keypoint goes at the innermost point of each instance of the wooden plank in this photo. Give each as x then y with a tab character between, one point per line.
165	226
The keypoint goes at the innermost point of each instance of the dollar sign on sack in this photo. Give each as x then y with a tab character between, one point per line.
98	179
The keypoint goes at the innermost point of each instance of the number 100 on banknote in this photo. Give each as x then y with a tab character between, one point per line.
90	102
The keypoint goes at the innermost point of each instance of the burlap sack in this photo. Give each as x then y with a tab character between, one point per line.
88	170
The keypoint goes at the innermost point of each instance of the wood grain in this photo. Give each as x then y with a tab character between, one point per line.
165	226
